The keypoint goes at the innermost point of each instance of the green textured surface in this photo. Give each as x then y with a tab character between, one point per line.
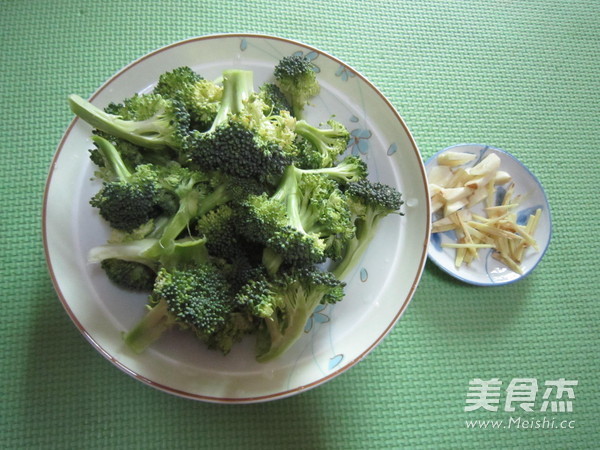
522	76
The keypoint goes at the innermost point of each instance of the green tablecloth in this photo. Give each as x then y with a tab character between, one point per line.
522	76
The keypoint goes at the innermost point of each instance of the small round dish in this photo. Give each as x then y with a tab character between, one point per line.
336	337
487	270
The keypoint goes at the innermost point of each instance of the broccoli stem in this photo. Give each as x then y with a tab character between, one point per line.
356	247
320	138
348	170
188	209
143	133
289	190
280	342
271	260
141	251
112	158
148	330
238	85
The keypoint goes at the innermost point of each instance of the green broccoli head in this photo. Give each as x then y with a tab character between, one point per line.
130	199
200	97
304	222
274	99
295	75
171	83
129	275
369	202
198	297
243	141
373	199
234	150
320	147
285	304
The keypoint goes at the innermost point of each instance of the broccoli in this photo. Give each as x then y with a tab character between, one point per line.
301	222
197	298
129	275
149	252
147	120
285	303
349	170
131	199
224	204
171	83
370	202
295	76
200	97
220	228
324	144
242	141
274	99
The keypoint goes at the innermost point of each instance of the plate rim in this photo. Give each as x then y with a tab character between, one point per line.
455	275
216	399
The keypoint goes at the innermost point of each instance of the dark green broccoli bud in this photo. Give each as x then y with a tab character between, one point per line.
132	198
377	197
219	228
237	151
326	144
237	325
275	100
295	75
369	202
301	222
129	275
198	298
286	303
242	141
146	120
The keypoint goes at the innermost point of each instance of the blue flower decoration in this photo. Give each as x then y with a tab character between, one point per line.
311	56
359	141
334	361
344	73
318	316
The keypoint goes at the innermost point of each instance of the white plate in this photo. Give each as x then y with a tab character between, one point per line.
336	336
487	271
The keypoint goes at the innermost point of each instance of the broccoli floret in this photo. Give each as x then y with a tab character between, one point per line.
274	99
220	228
295	75
349	170
326	144
301	222
370	202
197	298
129	275
177	80
237	325
285	303
147	120
242	141
201	97
130	199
